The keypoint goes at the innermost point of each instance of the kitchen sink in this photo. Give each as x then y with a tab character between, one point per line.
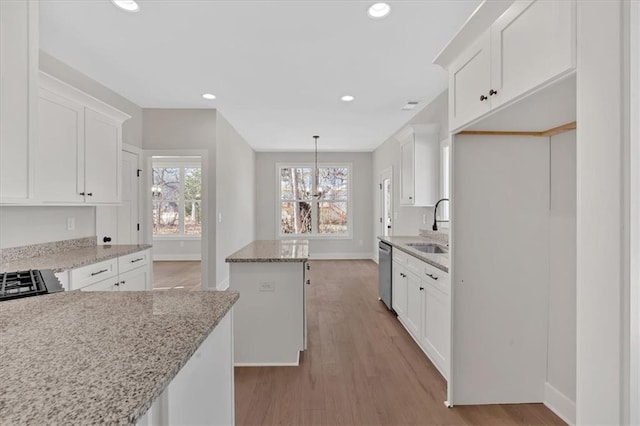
428	248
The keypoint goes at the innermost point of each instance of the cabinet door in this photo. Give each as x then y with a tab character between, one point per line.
531	43
435	330
399	290
136	280
18	65
59	150
407	172
469	82
414	305
102	158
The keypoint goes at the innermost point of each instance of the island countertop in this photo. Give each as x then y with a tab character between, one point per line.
98	357
70	259
272	251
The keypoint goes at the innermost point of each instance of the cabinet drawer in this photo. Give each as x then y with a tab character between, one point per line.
401	257
436	278
416	266
133	261
90	274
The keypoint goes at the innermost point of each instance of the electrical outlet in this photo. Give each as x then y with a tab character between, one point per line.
267	286
424	218
219	217
71	223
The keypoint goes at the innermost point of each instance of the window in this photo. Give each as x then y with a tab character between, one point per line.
177	199
320	213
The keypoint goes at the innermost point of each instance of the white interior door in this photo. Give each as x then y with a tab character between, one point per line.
386	202
128	210
119	224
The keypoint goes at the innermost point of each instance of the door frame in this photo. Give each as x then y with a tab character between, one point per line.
207	259
386	173
139	153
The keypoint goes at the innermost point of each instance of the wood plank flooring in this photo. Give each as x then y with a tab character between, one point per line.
361	367
177	275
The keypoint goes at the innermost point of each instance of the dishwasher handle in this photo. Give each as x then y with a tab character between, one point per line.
384	250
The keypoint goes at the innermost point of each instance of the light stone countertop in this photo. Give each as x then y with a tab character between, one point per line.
70	259
440	261
272	251
98	357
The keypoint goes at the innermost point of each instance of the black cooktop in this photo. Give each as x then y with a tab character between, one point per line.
34	282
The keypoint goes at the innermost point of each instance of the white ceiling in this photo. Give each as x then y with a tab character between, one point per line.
278	68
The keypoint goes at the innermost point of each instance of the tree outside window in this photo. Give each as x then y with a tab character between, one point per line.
314	204
177	200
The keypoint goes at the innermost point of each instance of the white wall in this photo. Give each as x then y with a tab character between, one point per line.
361	243
601	229
235	195
187	132
409	219
20	226
561	357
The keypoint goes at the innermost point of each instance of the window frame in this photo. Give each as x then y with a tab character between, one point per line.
314	203
180	163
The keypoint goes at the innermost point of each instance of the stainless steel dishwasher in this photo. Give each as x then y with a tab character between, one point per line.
384	273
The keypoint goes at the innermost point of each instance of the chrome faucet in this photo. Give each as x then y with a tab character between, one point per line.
435	212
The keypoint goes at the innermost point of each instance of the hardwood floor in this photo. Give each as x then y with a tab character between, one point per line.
177	275
361	367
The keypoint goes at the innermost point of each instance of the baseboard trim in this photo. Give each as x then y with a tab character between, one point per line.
224	285
341	256
176	257
560	404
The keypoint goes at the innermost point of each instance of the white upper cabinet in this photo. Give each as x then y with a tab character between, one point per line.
18	87
498	59
419	165
469	79
531	43
78	149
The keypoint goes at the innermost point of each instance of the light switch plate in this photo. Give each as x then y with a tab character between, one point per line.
267	286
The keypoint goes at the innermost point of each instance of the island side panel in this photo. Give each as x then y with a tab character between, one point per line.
269	316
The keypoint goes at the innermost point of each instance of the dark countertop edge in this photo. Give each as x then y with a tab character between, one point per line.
136	415
66	267
415	253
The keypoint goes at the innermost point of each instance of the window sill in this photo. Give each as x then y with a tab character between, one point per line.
314	237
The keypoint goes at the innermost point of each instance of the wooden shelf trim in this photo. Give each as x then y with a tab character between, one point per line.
546	133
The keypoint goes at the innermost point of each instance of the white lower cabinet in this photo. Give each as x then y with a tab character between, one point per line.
399	290
131	272
420	295
202	393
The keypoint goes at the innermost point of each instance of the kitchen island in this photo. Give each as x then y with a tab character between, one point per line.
270	318
118	358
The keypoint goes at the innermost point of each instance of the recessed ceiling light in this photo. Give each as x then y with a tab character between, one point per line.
209	96
128	5
379	10
347	98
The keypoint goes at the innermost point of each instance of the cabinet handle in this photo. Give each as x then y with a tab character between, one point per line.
421	288
106	240
99	272
483	98
137	260
493	92
308	266
90	194
432	276
308	282
122	282
117	284
82	193
411	198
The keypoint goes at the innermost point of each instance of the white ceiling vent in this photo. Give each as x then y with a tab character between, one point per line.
410	105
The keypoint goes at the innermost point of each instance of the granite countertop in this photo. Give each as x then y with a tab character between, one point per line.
440	261
272	251
70	259
98	357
